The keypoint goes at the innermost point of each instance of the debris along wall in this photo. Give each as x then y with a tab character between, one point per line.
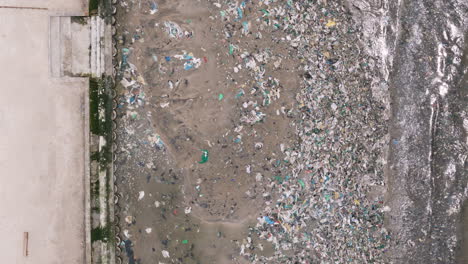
101	95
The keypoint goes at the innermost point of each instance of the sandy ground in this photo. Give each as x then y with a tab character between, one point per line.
42	154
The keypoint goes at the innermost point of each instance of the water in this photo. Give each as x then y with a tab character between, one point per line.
422	49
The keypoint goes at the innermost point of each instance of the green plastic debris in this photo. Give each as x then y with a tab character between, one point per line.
220	96
240	93
265	12
125	51
204	156
301	182
266	98
185	241
279	179
231	49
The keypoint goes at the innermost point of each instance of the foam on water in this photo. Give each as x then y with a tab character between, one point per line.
420	48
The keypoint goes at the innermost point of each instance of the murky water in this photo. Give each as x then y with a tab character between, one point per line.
423	55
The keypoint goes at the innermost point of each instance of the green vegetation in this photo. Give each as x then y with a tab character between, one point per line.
94	105
100	100
105	156
93	6
101	233
95	156
95	188
100	111
79	20
100	125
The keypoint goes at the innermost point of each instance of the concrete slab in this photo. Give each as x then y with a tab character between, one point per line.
54	7
80	48
69	44
42	153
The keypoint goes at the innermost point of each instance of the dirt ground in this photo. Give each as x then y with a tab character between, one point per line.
194	110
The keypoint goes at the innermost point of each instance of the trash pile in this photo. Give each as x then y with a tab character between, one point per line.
175	31
131	80
323	211
310	151
190	61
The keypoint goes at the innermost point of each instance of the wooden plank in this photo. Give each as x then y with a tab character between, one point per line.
25	243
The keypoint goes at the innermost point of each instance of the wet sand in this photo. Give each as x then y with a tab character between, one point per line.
224	199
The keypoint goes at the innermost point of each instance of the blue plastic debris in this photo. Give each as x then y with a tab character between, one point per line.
188	65
154	8
240	93
240	14
125	54
245	27
268	220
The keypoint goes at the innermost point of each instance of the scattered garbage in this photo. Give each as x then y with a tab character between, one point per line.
165	254
330	23
128	245
156	141
176	31
190	60
153	8
231	49
125	54
126	233
141	194
291	69
268	220
129	219
204	156
131	80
